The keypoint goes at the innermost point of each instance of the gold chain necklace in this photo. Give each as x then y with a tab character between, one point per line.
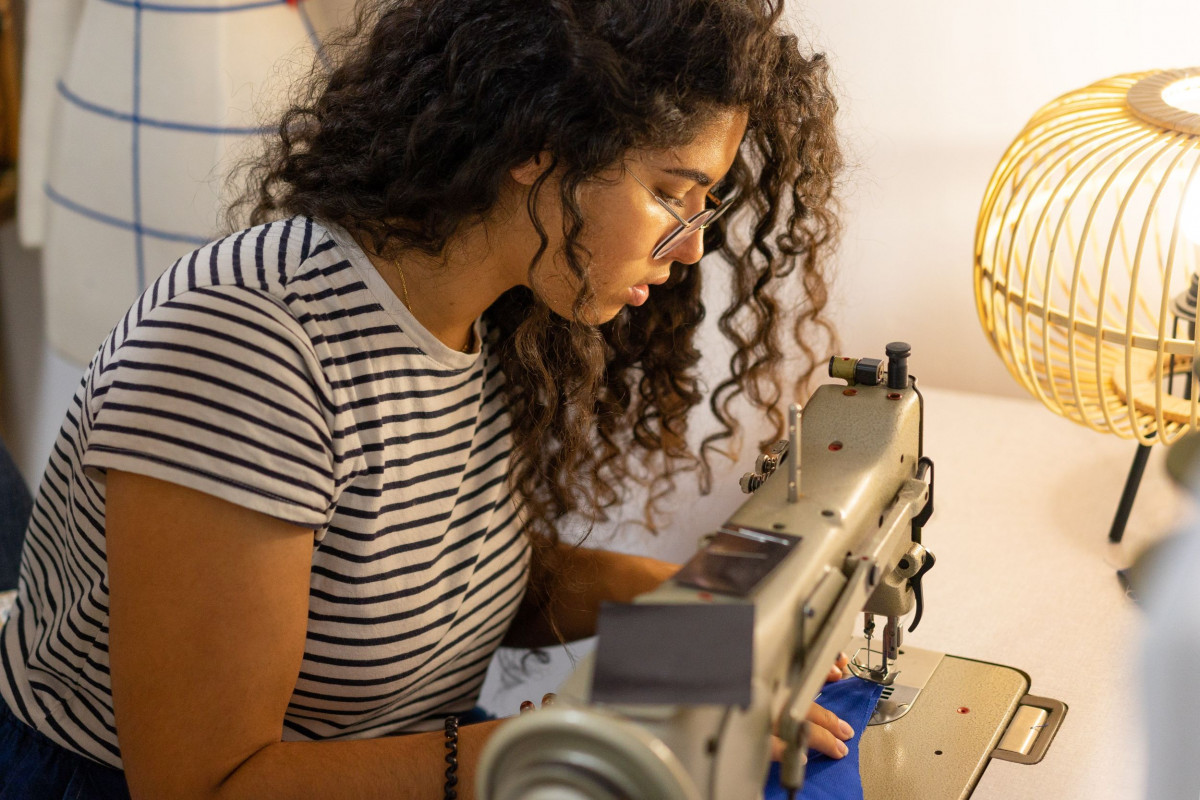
403	284
407	304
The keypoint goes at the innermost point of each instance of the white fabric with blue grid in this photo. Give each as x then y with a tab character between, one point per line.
134	112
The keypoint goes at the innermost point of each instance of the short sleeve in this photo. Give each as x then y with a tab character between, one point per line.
217	389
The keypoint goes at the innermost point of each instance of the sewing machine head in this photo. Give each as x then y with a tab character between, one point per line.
679	699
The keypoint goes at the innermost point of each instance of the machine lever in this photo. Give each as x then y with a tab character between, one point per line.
795	755
915	583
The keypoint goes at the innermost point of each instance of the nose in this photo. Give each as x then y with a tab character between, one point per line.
690	250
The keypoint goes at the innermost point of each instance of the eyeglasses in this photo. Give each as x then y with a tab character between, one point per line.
687	227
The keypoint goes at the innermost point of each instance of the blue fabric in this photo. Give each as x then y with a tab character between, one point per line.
34	768
15	506
853	700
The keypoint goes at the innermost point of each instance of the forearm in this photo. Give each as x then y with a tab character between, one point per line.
586	579
393	767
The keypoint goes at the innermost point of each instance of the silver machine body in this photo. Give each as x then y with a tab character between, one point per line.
828	538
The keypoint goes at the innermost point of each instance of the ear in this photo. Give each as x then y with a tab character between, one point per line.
528	172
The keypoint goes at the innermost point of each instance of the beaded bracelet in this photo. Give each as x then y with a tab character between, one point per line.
451	757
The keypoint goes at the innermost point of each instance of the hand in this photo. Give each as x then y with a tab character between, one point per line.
838	670
827	734
547	700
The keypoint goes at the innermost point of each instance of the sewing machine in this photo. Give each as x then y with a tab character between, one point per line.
687	684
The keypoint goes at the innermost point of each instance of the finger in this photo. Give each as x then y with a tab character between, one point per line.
838	670
821	740
527	706
548	699
825	719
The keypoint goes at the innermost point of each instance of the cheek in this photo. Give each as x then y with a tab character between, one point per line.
621	249
619	239
618	233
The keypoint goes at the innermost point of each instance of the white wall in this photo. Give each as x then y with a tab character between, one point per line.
932	93
38	383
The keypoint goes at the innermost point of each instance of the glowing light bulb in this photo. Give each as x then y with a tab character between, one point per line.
1184	95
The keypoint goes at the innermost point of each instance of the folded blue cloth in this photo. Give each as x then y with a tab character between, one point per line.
854	701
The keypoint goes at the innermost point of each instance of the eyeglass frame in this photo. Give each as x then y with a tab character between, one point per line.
685	229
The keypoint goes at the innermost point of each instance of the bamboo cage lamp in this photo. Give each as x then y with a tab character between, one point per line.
1086	257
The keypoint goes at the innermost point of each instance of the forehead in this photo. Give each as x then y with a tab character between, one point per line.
710	152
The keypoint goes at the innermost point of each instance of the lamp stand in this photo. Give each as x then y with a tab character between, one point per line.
1117	531
1184	310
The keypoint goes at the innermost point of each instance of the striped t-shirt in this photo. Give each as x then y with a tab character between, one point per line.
275	369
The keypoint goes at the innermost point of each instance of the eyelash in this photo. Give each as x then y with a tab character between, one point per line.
675	201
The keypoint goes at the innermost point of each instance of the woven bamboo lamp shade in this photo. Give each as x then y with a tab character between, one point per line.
1087	246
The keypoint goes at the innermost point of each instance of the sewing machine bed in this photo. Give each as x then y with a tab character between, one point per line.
941	746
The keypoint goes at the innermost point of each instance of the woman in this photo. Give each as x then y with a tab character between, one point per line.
313	478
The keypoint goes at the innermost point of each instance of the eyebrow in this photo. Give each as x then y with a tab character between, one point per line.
696	175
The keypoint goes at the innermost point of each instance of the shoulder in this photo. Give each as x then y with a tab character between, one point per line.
266	258
255	284
224	319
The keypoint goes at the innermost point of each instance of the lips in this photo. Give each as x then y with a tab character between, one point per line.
640	293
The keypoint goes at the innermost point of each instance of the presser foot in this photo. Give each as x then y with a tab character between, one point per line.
881	674
911	670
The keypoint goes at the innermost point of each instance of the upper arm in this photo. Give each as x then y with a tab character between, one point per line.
220	390
208	613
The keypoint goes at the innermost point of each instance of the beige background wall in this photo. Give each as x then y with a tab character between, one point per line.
933	91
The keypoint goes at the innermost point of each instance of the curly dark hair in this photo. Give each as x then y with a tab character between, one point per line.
430	103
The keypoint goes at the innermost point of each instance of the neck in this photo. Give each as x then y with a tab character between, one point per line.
448	292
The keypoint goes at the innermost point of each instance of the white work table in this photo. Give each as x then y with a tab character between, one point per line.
1025	577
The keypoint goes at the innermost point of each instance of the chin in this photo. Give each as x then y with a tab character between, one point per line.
591	315
607	316
608	313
